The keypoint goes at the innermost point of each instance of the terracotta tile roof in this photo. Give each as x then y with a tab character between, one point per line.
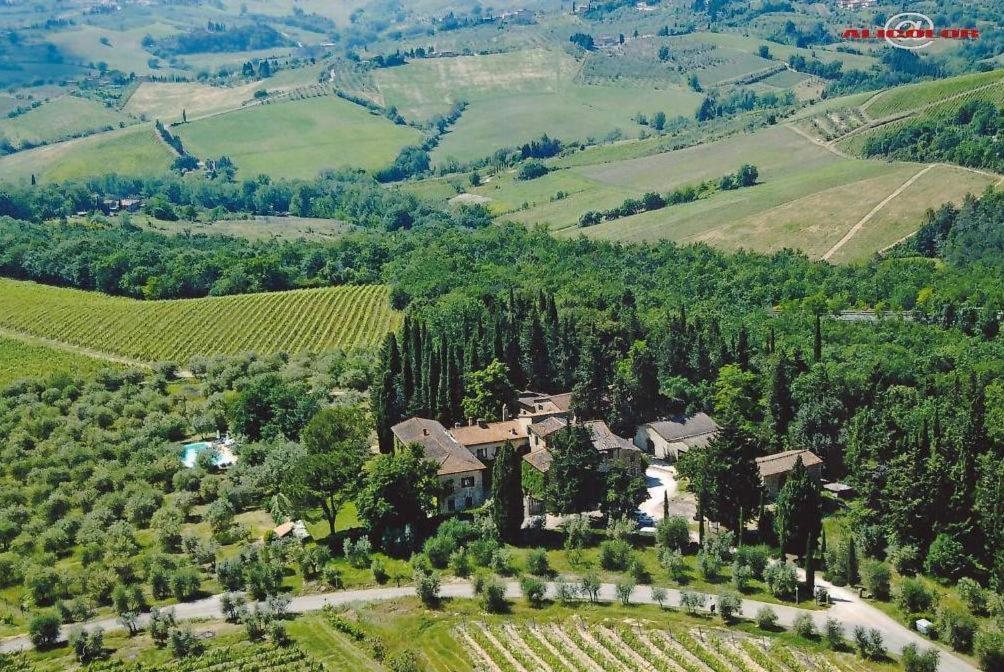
540	459
604	439
538	403
490	432
781	463
283	529
547	426
695	430
438	445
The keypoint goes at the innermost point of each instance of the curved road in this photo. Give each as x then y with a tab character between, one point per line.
848	608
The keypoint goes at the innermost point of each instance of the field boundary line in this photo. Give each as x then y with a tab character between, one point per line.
32	339
874	211
816	141
999	184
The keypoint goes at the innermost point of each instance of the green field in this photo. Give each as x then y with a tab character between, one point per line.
64	117
298	138
124	49
20	360
776	151
520	95
809	196
135	151
904	98
166	100
298	321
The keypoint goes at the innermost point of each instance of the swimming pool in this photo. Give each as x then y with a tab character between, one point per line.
191	452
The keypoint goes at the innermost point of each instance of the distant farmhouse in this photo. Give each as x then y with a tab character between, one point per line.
670	439
774	469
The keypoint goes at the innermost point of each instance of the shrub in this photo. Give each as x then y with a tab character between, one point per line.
87	645
533	589
531	170
379	571
989	650
277	633
460	562
502	562
741	576
438	550
905	559
957	628
730	606
709	564
623	589
639	572
615	555
537	562
692	601
974	596
427	587
912	597
358	552
183	643
869	643
755	557
876	576
946	558
672	532
565	591
833	630
493	596
766	618
672	561
233	606
915	661
781	579
659	595
43	629
804	626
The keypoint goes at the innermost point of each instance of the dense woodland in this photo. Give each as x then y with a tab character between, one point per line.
969	137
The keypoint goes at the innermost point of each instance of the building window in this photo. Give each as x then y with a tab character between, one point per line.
467	482
468	502
481	453
448	486
451	505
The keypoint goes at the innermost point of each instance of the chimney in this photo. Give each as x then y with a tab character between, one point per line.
482	424
505	412
425	431
513	431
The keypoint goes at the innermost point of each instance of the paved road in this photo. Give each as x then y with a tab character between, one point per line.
847	608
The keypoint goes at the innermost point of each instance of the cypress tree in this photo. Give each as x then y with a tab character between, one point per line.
665	504
852	562
507	493
817	342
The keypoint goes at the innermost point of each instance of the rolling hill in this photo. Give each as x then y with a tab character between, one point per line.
148	331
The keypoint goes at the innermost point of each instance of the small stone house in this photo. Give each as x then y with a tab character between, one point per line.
671	438
774	469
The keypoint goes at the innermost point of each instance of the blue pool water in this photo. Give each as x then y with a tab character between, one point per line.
192	451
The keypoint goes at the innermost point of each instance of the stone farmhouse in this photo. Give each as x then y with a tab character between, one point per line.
669	439
537	463
774	469
465	453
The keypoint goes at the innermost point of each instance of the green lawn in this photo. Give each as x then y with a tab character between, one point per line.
298	138
134	151
64	117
